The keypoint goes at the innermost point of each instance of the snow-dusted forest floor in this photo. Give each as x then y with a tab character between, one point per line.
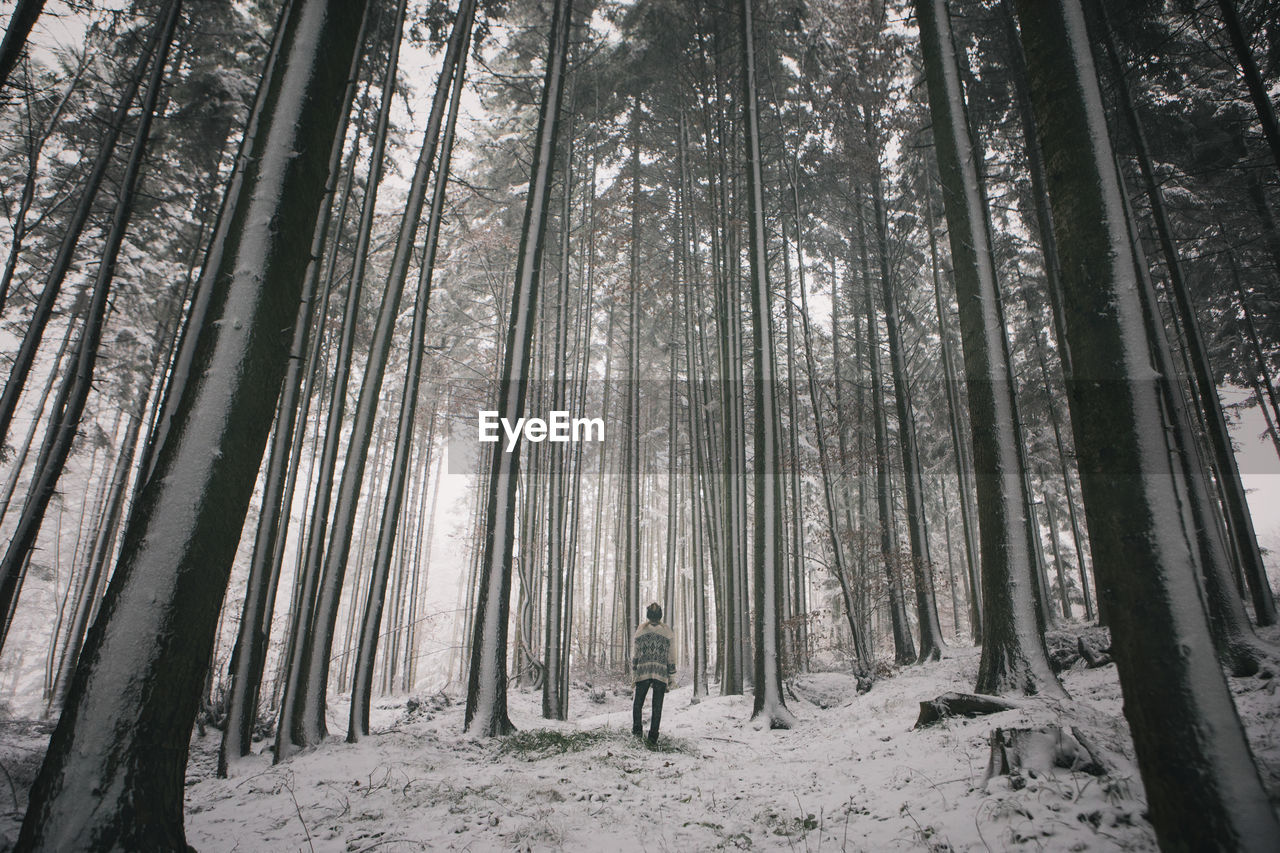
854	775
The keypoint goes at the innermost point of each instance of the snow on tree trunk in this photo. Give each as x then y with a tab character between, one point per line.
1234	503
768	552
249	656
1013	651
113	775
486	712
1203	788
451	79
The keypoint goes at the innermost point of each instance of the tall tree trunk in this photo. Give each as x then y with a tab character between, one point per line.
1203	788
959	442
931	641
1237	646
249	656
799	611
1234	503
294	728
769	554
1013	650
308	724
555	638
113	774
903	647
701	481
486	712
451	79
631	456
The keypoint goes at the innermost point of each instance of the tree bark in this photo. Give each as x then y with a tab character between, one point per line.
486	712
249	655
25	14
769	554
1203	789
451	79
113	775
1013	651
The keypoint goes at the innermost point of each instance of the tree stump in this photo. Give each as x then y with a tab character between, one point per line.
1041	751
1092	659
960	704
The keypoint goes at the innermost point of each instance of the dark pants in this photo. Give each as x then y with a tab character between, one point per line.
659	691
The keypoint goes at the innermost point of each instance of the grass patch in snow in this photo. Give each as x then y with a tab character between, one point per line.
533	744
536	744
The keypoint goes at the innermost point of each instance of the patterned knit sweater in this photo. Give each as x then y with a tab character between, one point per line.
653	653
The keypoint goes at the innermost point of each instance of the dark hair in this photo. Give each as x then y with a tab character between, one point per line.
654	612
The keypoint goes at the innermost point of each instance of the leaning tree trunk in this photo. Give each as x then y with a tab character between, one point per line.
1013	650
24	18
291	731
307	724
486	712
64	420
249	655
113	775
1258	89
1238	647
1203	789
72	229
361	689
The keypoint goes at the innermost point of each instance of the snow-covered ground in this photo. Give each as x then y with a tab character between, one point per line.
854	775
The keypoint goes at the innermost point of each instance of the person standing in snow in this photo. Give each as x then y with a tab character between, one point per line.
653	667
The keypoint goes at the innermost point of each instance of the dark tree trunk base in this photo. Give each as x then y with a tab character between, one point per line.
961	705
